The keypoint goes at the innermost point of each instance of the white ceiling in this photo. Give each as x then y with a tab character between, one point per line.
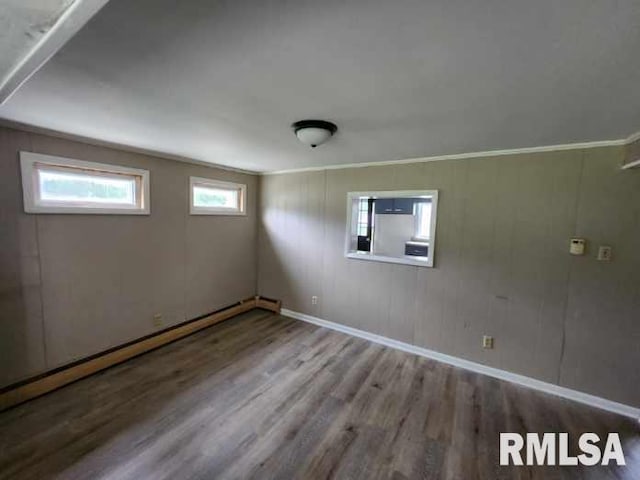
221	81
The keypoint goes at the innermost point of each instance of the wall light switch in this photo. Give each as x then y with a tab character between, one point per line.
604	253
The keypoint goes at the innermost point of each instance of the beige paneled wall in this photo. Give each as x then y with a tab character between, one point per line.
74	285
502	263
632	153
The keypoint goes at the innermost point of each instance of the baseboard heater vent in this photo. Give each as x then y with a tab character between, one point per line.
268	304
49	381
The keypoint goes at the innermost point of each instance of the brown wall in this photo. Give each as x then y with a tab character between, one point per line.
74	285
502	265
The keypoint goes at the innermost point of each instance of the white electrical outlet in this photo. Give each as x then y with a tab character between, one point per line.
604	253
314	300
487	341
157	319
577	246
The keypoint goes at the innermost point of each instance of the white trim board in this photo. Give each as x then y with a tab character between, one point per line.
581	397
457	156
66	26
460	156
634	137
634	164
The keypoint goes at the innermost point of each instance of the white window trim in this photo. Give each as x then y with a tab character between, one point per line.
351	216
29	162
208	182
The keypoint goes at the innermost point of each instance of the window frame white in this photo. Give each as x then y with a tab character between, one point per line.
241	188
31	162
352	218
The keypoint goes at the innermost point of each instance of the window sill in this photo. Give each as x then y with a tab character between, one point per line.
86	210
405	260
199	211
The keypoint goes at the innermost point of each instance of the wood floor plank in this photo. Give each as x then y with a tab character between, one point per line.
267	397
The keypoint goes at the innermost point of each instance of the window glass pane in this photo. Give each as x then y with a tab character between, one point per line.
69	187
363	216
423	229
215	197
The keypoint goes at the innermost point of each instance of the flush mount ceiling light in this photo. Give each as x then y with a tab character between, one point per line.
314	132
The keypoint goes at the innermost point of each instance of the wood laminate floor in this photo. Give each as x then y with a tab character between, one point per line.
263	396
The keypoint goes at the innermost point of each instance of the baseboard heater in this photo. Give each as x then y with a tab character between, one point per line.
49	381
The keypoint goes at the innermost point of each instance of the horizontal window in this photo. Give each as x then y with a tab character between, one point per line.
392	227
62	185
213	197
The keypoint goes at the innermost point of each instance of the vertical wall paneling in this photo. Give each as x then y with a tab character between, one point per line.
502	266
75	285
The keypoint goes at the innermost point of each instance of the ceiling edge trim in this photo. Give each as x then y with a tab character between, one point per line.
461	156
634	137
456	156
118	146
66	26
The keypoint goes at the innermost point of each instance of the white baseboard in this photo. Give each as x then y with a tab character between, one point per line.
551	388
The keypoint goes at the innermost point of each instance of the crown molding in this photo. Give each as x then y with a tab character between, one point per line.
461	156
634	137
456	156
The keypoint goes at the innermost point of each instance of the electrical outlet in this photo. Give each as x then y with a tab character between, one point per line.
604	253
157	320
487	342
314	300
577	246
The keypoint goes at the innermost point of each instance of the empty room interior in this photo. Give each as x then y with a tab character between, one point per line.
307	240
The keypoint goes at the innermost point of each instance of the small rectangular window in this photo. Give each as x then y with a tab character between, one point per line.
400	226
62	185
214	197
